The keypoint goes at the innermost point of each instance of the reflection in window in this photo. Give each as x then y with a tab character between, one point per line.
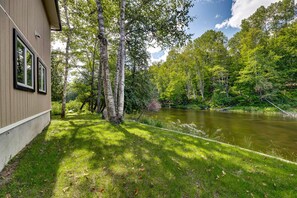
29	69
20	63
23	64
41	77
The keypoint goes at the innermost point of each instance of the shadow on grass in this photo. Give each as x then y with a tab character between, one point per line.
83	156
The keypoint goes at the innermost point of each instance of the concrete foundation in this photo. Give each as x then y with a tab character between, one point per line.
15	137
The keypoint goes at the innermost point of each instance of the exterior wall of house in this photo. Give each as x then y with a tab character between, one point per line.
16	138
27	16
23	114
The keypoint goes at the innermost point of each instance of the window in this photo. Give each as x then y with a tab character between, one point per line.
23	64
41	77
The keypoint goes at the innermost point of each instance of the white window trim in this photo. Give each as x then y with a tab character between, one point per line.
27	50
41	73
26	66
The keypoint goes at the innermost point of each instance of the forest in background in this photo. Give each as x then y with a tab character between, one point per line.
256	66
102	37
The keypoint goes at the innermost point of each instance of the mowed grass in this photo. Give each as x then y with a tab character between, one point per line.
84	156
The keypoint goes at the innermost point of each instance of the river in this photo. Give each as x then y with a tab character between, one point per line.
275	134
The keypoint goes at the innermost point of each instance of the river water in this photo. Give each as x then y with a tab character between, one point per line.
269	134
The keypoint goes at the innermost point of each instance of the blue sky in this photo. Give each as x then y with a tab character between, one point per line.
219	15
207	14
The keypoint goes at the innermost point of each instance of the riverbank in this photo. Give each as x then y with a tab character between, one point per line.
268	110
86	156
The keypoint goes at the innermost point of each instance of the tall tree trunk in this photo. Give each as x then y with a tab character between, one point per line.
116	79
121	61
99	89
92	79
227	86
109	99
66	61
201	80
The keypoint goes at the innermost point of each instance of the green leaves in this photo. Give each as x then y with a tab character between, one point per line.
259	62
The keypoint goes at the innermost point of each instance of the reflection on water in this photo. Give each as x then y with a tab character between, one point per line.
256	131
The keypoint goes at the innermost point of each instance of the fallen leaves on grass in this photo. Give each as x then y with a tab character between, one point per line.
136	192
142	169
65	189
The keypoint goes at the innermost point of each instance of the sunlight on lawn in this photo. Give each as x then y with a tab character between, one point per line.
85	156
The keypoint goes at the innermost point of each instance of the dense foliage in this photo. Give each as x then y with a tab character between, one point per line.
146	23
258	64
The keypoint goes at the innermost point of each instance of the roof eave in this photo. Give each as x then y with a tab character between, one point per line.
53	14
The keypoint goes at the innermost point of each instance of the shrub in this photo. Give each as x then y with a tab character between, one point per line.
56	108
154	105
220	100
73	106
151	122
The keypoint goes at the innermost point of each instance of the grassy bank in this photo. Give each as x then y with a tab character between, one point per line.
83	156
240	109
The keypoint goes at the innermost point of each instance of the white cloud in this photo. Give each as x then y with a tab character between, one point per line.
242	9
217	16
58	45
154	49
162	58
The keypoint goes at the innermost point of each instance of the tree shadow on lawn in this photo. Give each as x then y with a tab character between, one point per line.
255	172
154	166
225	151
37	165
83	156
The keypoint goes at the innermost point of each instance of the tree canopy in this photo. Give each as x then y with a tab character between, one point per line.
257	63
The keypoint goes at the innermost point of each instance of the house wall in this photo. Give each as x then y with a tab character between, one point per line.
27	16
16	138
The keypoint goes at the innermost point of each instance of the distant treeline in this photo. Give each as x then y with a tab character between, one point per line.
258	63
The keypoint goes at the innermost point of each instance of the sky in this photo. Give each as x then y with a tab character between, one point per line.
223	15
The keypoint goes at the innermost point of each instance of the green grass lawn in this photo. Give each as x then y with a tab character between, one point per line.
83	156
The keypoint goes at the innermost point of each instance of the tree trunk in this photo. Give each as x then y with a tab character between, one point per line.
227	86
121	61
109	99
66	61
201	80
92	79
116	79
99	89
83	104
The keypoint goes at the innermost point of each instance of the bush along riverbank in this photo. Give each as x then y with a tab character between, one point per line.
289	111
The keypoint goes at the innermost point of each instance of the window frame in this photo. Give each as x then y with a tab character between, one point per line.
18	85
39	61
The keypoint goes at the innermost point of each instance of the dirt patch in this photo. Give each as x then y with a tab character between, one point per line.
6	173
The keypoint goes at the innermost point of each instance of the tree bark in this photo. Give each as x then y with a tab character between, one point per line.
121	62
66	61
117	77
109	99
99	89
201	80
92	79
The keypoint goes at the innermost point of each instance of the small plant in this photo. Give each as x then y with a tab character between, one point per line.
154	105
56	108
178	126
73	106
152	122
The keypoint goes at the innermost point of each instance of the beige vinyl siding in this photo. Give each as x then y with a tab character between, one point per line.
29	16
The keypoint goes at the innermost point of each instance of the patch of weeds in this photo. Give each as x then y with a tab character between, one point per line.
152	122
